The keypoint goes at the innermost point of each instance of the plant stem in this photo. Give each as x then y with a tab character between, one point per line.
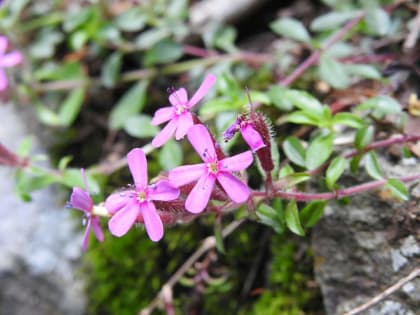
340	193
414	274
314	57
383	143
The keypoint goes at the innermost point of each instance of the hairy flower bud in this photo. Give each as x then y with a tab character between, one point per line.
263	127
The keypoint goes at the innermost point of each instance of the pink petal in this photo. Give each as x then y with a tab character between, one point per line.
117	201
81	200
186	174
237	162
3	80
138	167
86	235
162	115
124	219
11	59
202	142
165	133
163	190
179	97
208	82
96	226
252	137
185	122
152	221
3	44
237	190
199	196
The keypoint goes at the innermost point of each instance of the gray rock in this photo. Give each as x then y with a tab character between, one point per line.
364	247
39	244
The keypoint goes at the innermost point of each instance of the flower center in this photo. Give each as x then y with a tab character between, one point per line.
213	167
141	196
180	109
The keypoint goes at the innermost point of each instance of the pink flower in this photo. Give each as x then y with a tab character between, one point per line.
80	199
248	132
179	115
128	205
211	170
6	61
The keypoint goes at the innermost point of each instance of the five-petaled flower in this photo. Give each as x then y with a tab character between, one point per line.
248	132
7	60
80	199
179	115
127	206
211	170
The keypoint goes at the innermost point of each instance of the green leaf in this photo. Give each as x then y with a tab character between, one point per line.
212	107
292	218
129	104
70	108
303	118
171	155
131	20
78	40
72	178
218	235
335	170
271	217
151	37
319	151
294	151
332	20
224	38
398	189
276	95
165	51
24	147
304	101
354	163
333	72
77	18
378	21
296	178
286	171
64	162
348	119
140	126
65	71
26	182
372	165
111	70
381	105
312	213
366	71
47	116
291	28
363	137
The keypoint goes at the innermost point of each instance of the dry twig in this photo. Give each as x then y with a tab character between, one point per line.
414	274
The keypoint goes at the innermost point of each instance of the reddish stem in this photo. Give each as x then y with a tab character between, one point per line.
301	196
314	57
383	143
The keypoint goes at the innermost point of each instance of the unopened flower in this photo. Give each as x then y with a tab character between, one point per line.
179	115
246	127
127	206
80	199
7	60
211	170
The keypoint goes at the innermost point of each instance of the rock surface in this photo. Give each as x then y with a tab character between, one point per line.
39	245
364	247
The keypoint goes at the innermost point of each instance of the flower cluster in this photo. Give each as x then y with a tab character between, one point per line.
191	186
